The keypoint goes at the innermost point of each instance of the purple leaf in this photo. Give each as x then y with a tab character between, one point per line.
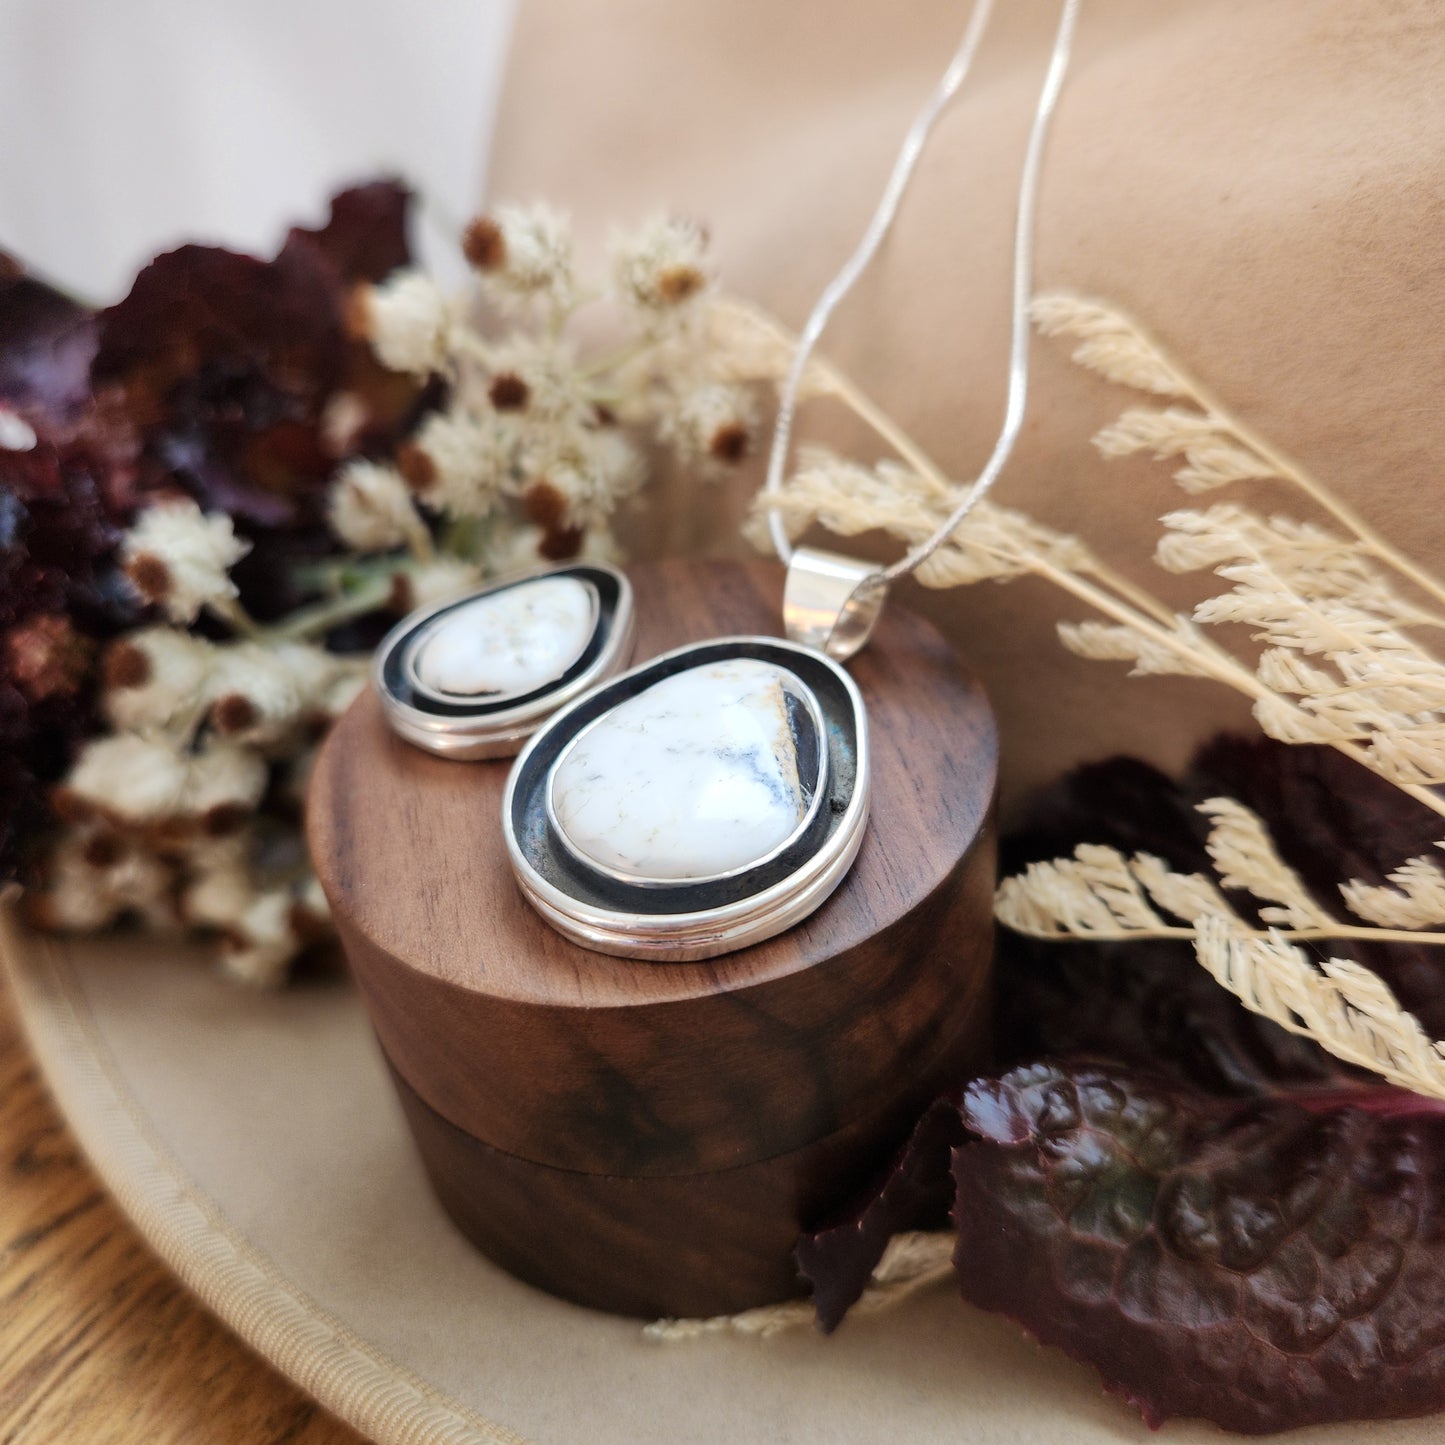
1255	1262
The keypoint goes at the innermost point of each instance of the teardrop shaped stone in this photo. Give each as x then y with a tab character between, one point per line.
510	642
702	773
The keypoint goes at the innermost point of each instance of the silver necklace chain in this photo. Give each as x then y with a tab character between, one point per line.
878	228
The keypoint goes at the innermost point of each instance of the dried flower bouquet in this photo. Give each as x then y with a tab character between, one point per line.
278	458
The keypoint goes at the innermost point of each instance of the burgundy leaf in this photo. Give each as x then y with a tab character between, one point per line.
365	236
1219	1216
1254	1262
914	1193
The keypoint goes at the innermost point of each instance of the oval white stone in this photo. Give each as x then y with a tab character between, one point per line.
697	775
510	642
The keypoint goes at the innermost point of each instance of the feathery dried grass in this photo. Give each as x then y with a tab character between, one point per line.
1345	1007
1339	663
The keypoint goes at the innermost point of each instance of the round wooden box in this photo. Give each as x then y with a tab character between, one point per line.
650	1138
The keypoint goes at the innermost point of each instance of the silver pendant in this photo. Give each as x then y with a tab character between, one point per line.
706	800
710	798
474	677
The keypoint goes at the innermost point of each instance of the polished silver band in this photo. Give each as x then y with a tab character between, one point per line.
832	603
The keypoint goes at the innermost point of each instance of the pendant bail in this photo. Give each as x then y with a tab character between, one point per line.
831	603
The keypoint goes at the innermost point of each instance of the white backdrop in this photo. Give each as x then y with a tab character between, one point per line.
129	125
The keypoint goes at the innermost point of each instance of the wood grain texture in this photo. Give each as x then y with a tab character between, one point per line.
688	1245
583	1062
98	1342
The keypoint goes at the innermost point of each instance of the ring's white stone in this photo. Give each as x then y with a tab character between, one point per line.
510	642
697	775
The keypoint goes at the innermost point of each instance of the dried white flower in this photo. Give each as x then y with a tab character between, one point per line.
662	265
255	692
343	421
261	943
155	679
714	424
1098	893
551	376
459	464
130	777
407	320
218	897
1211	458
993	543
339	688
224	783
438	581
592	481
1339	1004
513	547
93	877
1245	857
178	558
523	254
371	509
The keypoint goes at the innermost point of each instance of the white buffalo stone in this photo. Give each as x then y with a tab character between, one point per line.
698	775
509	643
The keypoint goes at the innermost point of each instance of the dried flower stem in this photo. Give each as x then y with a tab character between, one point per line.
316	621
235	616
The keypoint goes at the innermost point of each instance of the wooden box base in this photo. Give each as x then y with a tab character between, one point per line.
650	1138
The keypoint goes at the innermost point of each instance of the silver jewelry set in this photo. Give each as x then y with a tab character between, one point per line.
714	796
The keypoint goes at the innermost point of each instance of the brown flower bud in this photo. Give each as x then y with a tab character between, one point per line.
233	713
402	597
508	392
729	443
104	850
416	467
560	544
484	245
150	576
224	819
125	665
545	505
676	283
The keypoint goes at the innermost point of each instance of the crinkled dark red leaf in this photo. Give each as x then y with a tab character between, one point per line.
364	237
227	362
914	1192
1255	1262
1216	1214
215	351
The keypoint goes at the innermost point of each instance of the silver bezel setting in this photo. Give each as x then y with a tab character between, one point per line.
680	920
470	729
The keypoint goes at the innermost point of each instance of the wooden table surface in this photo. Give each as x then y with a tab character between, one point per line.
98	1343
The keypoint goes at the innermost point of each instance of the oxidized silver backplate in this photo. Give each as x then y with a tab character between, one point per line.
475	676
704	801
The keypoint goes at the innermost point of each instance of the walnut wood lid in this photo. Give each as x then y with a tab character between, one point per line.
606	1065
